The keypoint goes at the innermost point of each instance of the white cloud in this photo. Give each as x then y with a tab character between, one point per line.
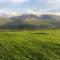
9	12
18	1
14	1
40	12
51	4
56	13
36	12
12	13
54	3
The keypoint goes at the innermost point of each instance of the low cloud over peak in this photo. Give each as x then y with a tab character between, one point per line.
10	12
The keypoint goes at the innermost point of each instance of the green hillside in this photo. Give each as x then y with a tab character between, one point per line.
30	45
4	20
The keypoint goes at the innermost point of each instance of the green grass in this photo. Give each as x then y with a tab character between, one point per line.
30	45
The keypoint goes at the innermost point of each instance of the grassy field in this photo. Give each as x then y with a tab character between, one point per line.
30	45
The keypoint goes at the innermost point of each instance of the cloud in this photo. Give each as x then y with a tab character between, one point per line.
41	12
57	13
9	12
12	13
42	7
14	1
19	1
36	12
50	4
54	3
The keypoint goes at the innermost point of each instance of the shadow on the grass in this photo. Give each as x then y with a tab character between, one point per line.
41	33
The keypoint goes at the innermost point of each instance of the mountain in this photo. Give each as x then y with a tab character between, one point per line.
30	21
34	21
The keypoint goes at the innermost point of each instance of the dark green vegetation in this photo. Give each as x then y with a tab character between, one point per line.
30	45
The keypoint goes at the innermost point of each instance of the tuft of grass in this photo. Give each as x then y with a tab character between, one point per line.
30	45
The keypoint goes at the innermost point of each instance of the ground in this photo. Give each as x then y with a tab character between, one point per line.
30	45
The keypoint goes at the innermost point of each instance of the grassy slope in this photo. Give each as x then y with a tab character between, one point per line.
32	45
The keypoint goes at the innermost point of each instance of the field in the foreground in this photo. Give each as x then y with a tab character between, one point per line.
34	45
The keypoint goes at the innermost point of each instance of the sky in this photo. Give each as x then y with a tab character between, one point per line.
18	7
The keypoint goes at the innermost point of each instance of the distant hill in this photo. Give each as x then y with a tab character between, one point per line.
30	21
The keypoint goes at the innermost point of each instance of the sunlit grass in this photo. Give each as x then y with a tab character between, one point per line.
30	45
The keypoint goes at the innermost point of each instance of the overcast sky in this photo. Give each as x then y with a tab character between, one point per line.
15	7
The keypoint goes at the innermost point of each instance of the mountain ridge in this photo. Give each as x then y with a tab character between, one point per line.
31	21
